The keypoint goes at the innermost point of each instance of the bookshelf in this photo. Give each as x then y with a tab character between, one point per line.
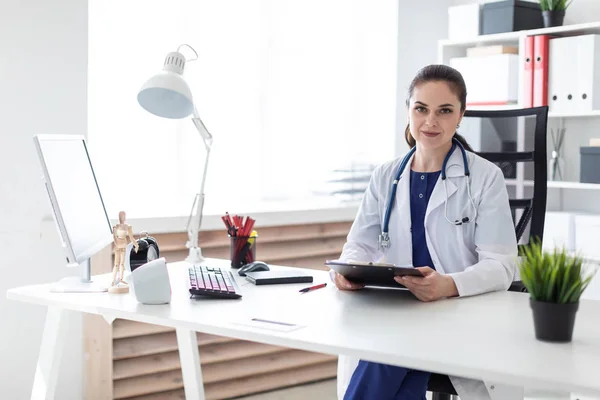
448	49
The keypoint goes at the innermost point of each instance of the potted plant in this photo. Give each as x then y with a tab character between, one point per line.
555	281
553	11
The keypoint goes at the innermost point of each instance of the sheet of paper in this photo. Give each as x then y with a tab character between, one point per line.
270	324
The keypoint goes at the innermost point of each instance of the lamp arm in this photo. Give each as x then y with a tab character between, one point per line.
195	219
204	133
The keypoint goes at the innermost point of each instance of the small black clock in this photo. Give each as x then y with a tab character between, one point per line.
148	251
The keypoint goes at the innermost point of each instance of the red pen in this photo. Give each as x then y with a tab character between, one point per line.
308	289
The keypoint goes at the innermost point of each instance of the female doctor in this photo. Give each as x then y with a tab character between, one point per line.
448	215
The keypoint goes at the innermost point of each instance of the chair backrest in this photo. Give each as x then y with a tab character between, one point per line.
515	140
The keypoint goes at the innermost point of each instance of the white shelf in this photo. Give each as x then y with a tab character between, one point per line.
573	185
515	182
513	37
506	37
593	113
568	30
495	107
557	184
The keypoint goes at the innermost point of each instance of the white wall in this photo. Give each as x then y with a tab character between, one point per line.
420	25
43	86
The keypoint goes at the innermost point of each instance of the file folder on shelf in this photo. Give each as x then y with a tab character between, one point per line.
587	76
561	70
574	74
540	70
528	72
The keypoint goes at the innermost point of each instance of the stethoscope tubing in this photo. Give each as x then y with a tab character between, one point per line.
384	237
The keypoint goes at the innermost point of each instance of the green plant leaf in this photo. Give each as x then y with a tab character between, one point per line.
572	293
555	277
554	5
550	286
564	284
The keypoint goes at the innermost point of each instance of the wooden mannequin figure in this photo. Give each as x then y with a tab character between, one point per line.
121	232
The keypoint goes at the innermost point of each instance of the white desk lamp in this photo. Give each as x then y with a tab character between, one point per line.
168	95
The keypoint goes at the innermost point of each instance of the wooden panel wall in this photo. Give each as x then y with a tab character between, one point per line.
131	360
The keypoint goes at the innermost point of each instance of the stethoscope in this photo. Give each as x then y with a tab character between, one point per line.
384	238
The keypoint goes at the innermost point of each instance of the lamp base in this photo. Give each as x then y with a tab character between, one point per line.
195	256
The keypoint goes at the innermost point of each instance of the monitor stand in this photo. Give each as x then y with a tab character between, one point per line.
79	284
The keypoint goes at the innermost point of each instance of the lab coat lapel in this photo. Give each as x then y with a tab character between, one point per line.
438	196
454	168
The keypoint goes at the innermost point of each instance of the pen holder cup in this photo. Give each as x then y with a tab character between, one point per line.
242	250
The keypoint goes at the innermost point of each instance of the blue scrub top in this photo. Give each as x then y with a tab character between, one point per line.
421	187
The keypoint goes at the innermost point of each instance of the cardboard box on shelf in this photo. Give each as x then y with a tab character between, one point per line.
594	142
491	50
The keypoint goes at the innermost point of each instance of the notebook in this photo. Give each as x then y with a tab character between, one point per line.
276	277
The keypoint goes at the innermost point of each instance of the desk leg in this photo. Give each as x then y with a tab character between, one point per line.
187	341
51	349
505	392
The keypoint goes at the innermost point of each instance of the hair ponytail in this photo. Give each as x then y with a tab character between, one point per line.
463	141
409	138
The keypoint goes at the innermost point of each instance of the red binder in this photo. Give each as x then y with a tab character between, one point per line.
540	70
528	72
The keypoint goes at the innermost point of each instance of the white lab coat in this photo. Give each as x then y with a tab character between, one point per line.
480	256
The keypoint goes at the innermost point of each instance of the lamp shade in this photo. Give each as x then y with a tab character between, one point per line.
167	94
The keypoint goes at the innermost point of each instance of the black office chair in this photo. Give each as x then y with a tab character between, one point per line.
495	135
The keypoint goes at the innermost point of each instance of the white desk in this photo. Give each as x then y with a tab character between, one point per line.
488	337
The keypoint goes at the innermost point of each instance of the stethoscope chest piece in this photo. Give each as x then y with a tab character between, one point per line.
384	240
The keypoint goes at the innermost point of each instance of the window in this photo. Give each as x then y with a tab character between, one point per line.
299	96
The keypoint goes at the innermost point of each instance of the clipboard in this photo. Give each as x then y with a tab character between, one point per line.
372	274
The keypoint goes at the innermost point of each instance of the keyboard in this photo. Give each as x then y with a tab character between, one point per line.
213	282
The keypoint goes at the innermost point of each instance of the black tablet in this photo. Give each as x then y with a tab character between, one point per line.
371	274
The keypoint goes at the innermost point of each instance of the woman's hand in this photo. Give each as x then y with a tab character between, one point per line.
433	286
344	284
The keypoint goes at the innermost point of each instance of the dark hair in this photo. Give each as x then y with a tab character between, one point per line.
440	73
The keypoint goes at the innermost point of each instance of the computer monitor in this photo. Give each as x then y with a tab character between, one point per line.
78	208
